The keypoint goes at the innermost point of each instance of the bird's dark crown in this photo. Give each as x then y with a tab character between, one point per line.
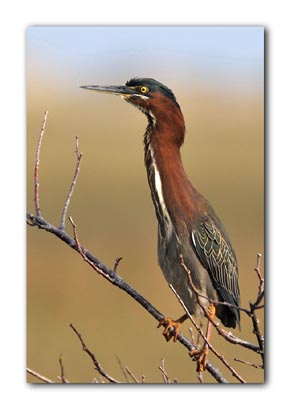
153	86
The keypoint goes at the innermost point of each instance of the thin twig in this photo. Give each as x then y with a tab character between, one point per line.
210	346
163	371
257	269
132	375
97	366
203	296
79	156
254	306
228	336
36	168
112	276
249	363
116	280
261	290
122	369
257	330
197	293
190	330
197	327
62	377
200	377
117	262
38	376
82	252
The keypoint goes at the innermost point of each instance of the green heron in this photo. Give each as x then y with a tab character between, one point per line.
187	223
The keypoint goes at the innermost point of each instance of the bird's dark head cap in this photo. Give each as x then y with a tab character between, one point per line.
137	91
148	86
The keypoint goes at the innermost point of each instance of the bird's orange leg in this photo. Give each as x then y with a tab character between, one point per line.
170	323
201	354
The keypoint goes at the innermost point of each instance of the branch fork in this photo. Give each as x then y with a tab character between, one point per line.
112	276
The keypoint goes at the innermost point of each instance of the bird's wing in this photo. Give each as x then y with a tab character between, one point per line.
218	257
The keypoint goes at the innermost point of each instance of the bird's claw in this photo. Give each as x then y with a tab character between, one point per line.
200	356
171	328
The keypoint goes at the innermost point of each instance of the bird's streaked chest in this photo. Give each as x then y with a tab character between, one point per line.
155	183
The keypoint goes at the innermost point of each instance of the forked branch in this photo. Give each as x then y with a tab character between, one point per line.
112	276
97	365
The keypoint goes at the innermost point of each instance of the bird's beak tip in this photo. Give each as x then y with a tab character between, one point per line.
110	89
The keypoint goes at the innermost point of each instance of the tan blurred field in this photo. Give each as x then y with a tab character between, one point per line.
115	217
223	155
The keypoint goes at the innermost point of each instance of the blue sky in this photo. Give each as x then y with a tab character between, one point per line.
233	55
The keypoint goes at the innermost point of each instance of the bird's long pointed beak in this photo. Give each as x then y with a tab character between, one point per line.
111	89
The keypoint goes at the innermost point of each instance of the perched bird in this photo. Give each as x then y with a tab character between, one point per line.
190	234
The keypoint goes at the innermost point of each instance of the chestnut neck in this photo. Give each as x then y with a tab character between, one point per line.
173	195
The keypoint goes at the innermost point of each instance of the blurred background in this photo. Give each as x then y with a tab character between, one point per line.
217	75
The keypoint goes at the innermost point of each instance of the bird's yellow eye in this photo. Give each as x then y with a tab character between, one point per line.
144	89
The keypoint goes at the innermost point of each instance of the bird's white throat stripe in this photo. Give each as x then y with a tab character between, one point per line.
193	239
158	189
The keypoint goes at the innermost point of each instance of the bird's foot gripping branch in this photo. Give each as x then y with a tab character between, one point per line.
37	219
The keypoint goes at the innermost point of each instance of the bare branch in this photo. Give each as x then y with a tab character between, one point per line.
38	376
97	366
117	262
82	252
98	266
225	334
257	331
79	156
221	357
256	305
132	375
253	306
261	291
36	168
197	327
249	363
62	377
115	279
164	373
123	369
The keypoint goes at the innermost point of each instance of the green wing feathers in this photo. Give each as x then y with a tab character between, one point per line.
217	256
